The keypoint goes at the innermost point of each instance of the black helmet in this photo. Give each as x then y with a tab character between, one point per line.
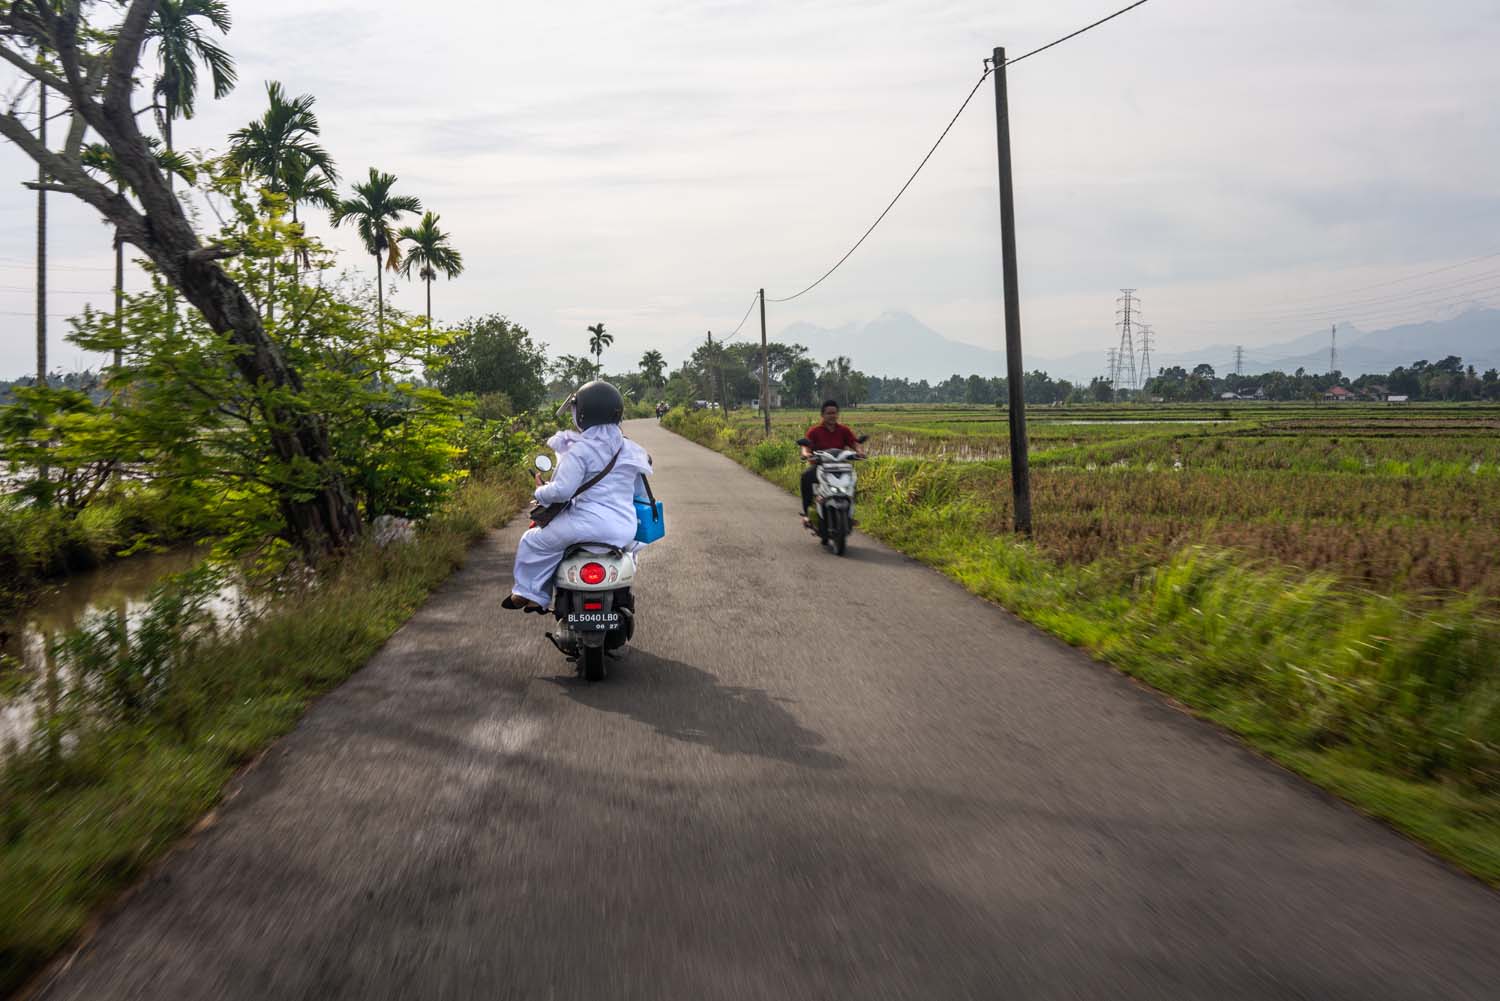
597	403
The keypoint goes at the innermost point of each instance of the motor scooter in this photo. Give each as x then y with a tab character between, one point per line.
833	493
592	601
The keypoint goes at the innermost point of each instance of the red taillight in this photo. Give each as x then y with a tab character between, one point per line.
592	573
593	606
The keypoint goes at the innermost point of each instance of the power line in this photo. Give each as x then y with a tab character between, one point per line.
1328	312
1398	281
982	77
748	311
1102	20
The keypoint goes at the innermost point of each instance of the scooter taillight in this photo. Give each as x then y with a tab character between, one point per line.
593	606
591	573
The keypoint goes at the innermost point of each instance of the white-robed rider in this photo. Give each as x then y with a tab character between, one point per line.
604	513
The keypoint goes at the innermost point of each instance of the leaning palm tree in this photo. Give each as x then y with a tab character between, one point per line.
373	209
430	252
598	341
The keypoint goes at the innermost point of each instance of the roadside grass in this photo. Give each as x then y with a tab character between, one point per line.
1390	699
78	828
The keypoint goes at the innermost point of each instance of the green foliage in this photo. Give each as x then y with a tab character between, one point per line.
181	416
767	455
490	354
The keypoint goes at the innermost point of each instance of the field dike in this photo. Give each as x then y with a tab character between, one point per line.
136	773
1391	702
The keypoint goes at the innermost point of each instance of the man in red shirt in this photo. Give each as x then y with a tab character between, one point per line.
828	435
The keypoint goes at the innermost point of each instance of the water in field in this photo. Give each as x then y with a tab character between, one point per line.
1111	421
26	662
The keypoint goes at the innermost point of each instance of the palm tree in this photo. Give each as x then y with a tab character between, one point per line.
180	45
598	341
306	184
268	146
431	252
654	367
373	209
279	147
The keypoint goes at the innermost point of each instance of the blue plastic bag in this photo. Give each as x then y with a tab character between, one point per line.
650	524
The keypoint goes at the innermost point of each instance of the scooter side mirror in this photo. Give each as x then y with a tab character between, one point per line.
862	438
805	442
544	463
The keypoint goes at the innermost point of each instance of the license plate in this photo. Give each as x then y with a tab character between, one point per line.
587	621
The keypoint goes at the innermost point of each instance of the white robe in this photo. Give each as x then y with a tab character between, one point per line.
605	513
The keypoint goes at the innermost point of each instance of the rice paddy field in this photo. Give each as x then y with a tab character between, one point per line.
1393	499
1322	579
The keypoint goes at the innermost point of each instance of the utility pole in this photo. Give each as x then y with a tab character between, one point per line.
765	367
1145	354
41	243
1020	470
1129	306
712	365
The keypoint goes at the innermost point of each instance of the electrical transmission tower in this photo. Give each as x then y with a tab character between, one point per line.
1130	308
1239	359
1333	349
1114	371
1145	354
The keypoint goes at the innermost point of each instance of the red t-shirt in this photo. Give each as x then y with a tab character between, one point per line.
823	439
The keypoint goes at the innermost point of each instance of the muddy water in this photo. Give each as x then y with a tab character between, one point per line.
122	587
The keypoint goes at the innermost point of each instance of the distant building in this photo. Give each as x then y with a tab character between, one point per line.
1338	394
1397	399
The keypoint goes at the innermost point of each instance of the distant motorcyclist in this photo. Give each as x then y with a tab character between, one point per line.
603	513
829	434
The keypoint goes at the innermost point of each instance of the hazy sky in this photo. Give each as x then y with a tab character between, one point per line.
1245	166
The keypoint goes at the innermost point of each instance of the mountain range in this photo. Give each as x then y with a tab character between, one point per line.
898	344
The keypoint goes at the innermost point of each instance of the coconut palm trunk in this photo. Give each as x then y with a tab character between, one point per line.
41	246
379	296
119	300
429	300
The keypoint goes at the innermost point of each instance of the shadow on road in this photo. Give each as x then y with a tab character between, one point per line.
689	704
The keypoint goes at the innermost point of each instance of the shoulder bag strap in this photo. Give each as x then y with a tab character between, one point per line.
596	477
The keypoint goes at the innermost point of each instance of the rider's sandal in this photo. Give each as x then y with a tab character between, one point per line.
514	601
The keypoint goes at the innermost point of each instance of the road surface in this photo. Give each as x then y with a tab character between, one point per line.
812	778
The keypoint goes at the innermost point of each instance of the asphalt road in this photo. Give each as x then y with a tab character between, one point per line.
812	778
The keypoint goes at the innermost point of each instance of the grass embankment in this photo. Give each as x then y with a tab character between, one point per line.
39	544
77	829
1391	700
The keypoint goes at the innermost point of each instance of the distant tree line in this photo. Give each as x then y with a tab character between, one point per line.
1446	380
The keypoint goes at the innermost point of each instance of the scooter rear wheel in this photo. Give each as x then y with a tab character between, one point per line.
593	663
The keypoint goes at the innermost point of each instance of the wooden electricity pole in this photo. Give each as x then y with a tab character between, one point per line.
765	367
1020	471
